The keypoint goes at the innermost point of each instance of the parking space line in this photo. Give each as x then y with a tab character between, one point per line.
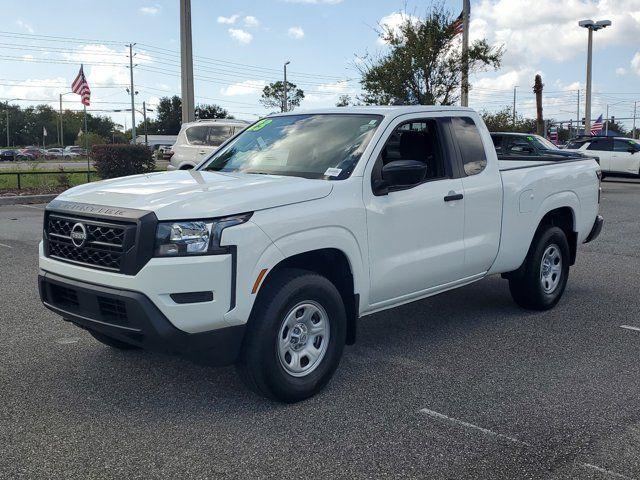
31	206
629	327
462	423
605	471
3	245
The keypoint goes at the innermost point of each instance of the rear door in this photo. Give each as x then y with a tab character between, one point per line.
482	186
626	158
603	148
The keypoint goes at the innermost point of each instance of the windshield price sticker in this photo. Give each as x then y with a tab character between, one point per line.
260	125
332	172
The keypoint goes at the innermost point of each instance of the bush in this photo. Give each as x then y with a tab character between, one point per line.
120	160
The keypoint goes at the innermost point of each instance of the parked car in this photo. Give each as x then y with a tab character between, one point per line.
517	146
199	139
9	155
617	154
55	152
73	151
268	253
32	152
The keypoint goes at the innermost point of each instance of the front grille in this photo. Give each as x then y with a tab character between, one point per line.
104	248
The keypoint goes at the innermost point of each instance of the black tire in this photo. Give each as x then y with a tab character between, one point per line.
260	366
526	285
112	342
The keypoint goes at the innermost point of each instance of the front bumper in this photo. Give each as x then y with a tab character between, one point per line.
133	318
596	229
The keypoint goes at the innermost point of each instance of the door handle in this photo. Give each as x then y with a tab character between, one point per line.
453	196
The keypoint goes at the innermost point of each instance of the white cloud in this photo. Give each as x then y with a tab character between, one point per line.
250	21
295	32
228	20
247	87
316	2
24	26
635	63
620	71
550	30
392	22
241	36
150	10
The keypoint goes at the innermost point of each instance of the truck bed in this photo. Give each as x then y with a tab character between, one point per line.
532	188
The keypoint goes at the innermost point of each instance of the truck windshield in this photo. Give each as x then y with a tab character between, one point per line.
321	146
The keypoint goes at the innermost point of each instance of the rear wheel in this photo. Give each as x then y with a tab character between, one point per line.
112	342
295	336
540	282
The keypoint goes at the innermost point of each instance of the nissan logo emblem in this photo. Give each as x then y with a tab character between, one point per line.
78	235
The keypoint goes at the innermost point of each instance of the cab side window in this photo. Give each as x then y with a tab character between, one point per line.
218	134
419	140
470	143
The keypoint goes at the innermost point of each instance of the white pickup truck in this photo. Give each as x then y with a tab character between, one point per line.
268	253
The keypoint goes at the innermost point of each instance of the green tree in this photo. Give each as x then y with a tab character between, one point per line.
423	63
91	139
343	101
211	111
273	93
502	121
169	116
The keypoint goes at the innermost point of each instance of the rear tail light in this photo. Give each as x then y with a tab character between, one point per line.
169	154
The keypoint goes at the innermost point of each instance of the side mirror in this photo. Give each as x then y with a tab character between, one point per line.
632	150
399	174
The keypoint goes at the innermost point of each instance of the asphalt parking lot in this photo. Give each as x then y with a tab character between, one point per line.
462	385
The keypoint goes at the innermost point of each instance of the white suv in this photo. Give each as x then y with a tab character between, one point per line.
617	154
198	139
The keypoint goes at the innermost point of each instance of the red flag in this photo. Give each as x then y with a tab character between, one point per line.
81	87
458	24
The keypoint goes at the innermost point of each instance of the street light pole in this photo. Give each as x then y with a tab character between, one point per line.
186	63
285	105
514	105
132	92
144	117
592	27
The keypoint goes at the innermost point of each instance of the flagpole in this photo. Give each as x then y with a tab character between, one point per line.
86	140
466	11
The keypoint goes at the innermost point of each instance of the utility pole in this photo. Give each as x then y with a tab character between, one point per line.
633	131
514	105
578	115
537	89
144	117
592	27
285	102
186	63
606	123
8	125
60	129
466	12
133	93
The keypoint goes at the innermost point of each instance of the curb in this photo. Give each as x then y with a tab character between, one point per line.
26	199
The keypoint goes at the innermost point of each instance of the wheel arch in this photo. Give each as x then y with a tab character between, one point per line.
332	263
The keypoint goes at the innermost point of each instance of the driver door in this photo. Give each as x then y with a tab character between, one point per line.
415	234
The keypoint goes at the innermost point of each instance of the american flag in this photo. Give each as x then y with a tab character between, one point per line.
458	24
596	127
81	87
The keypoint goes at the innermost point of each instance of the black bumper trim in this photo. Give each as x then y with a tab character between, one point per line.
133	318
596	229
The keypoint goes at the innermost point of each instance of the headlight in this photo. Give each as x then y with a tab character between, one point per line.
194	237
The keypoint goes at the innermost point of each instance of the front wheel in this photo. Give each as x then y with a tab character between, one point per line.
295	336
541	281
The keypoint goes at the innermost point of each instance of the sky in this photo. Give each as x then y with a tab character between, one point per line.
240	46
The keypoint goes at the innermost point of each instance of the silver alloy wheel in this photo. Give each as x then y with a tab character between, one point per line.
303	338
551	268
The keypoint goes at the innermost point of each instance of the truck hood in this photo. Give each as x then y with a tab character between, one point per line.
198	194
